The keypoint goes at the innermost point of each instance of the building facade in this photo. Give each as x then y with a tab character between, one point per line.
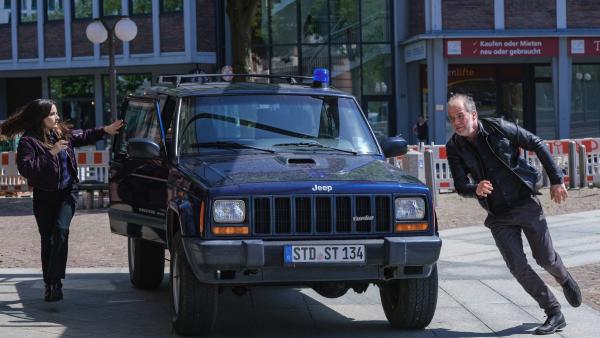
44	51
536	62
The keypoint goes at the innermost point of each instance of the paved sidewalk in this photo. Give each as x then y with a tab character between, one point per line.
477	298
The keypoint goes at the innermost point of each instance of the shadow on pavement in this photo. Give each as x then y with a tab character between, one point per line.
98	304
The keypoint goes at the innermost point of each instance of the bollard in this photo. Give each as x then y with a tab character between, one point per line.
572	165
430	175
582	167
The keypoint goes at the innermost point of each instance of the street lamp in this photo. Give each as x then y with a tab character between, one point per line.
98	32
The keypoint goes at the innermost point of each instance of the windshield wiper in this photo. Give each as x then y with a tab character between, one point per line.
228	145
314	144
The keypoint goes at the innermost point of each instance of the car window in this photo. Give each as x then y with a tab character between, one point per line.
140	121
274	121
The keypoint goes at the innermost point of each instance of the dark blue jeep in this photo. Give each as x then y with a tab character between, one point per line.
249	183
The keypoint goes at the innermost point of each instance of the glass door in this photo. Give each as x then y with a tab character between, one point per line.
378	113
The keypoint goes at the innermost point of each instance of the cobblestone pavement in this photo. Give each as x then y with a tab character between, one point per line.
92	244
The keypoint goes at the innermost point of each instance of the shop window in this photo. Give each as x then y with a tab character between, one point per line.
345	68
283	22
284	60
111	7
5	13
375	21
344	21
314	20
314	56
126	84
54	10
377	70
28	11
170	6
585	101
74	96
82	9
545	120
141	7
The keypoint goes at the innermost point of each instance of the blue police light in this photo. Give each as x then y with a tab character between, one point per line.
321	77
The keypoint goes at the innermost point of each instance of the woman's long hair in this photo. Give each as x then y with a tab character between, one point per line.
31	118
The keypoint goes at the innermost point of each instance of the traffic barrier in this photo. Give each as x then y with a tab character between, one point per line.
92	170
559	149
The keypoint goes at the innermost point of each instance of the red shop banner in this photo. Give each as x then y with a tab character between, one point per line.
501	47
588	46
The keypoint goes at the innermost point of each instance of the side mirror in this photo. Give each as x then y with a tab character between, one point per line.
394	146
142	148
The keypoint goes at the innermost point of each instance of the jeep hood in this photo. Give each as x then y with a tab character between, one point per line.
219	171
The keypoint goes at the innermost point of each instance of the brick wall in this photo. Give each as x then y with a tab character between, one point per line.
416	17
5	46
583	14
54	39
143	40
171	32
468	14
532	14
206	25
80	44
28	41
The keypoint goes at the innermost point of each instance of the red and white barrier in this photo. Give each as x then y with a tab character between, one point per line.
92	166
559	149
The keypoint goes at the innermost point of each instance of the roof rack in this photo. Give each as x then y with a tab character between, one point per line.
177	80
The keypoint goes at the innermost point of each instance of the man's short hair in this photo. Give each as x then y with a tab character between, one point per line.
467	100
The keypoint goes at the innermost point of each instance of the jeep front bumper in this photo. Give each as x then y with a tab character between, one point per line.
255	261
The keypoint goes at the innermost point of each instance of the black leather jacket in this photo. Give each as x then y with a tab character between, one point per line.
504	139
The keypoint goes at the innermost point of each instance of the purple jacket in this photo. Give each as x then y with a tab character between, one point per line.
40	167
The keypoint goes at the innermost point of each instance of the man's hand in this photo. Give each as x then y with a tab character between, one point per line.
114	127
58	146
558	193
484	188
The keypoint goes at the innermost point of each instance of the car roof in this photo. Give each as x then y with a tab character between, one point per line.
229	88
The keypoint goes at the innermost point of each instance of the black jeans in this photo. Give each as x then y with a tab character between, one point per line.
528	218
53	212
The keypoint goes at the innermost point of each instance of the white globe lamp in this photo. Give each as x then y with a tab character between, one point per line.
96	32
125	29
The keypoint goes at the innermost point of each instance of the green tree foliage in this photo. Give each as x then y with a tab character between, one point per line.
83	9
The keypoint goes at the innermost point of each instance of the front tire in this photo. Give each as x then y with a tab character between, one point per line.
410	303
194	304
146	263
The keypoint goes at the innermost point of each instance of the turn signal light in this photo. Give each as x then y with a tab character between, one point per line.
401	227
201	222
230	231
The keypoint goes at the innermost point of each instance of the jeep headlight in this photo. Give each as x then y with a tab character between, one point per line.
409	208
229	211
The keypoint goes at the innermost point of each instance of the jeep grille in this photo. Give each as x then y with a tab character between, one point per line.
315	215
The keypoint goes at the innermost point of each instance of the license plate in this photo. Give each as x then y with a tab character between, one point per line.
324	253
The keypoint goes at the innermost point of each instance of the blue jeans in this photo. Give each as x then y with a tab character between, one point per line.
53	212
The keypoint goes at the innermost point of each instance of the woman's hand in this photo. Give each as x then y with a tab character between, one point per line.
58	146
114	127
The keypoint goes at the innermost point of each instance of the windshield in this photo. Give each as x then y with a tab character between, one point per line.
273	123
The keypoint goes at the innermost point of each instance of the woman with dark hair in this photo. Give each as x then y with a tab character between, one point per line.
45	157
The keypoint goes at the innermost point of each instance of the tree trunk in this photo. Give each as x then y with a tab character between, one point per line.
241	13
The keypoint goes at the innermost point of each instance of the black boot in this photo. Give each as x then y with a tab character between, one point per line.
55	292
553	323
47	292
572	292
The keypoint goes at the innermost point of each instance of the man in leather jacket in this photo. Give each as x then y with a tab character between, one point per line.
483	155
